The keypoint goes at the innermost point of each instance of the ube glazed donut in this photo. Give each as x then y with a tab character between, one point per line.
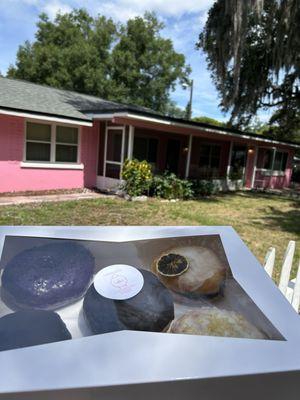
47	277
30	328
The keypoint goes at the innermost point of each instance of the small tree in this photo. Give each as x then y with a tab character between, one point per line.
130	63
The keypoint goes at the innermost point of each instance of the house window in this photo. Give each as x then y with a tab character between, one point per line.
51	143
38	142
280	161
238	157
266	159
209	156
145	148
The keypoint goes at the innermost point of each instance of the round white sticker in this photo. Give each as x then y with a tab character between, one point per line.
118	282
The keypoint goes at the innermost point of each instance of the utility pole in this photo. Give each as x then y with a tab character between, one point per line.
189	106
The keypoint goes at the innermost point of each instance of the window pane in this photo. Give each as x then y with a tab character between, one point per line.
267	161
38	132
277	162
264	159
238	158
280	161
284	161
113	171
114	145
152	150
204	155
37	151
66	134
66	153
140	148
145	148
215	156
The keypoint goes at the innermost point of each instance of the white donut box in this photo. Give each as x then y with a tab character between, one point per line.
132	365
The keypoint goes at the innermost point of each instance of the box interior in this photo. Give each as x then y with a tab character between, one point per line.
141	254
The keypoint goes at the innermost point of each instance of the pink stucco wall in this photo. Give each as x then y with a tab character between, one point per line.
15	178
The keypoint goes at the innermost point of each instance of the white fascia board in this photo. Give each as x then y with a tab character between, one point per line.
45	118
188	126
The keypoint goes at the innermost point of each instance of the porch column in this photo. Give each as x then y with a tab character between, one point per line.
273	159
229	160
188	159
272	170
254	167
130	142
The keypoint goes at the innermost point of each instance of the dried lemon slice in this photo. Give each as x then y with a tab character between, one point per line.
172	264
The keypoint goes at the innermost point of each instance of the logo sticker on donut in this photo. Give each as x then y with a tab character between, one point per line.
118	282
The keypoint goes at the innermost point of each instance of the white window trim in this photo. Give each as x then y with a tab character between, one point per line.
270	172
47	165
52	163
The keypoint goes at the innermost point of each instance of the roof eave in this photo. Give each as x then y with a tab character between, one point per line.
169	122
45	117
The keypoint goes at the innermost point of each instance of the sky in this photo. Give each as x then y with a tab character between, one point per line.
183	21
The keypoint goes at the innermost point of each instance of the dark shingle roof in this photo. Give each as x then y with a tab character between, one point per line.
29	97
26	96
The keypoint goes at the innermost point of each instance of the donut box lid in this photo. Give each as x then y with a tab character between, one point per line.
131	364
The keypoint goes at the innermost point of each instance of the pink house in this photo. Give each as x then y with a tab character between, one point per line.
57	139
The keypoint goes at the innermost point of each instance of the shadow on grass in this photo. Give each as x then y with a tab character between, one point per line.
288	221
251	195
268	196
215	198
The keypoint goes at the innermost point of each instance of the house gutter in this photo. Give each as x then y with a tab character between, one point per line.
103	116
45	117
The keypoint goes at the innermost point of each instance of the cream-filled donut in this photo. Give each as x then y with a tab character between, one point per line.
190	270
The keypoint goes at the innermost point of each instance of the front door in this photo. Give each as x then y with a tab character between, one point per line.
173	155
109	171
114	151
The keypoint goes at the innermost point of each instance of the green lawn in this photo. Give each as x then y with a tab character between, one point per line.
261	220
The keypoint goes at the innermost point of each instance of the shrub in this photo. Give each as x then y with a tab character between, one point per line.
137	176
202	187
236	174
169	186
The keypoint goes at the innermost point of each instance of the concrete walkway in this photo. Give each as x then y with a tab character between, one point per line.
14	200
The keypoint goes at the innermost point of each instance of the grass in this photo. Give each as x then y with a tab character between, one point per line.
261	220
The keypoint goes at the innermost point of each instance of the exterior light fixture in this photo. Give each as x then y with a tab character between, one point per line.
250	150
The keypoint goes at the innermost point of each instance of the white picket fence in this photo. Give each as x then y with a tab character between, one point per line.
290	288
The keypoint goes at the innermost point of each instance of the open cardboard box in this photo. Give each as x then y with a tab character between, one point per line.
135	364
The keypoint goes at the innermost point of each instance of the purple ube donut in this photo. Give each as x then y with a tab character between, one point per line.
48	277
31	328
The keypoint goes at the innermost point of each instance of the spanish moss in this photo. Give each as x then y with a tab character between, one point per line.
253	53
